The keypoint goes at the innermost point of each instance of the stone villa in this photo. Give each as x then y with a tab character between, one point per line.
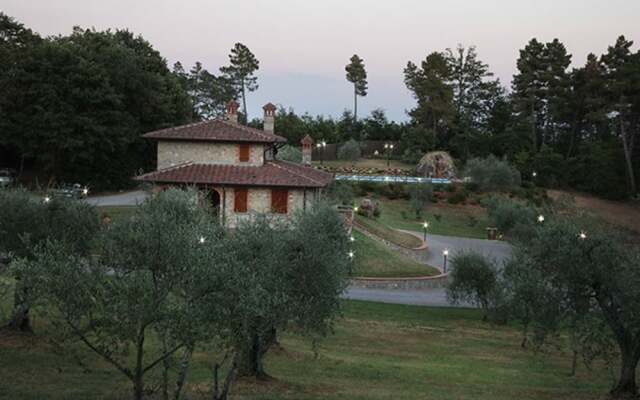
237	166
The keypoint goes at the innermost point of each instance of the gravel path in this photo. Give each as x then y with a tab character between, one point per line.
122	199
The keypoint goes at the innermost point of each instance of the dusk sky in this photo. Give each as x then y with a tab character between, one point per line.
303	46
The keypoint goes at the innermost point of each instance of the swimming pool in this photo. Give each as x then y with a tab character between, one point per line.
390	179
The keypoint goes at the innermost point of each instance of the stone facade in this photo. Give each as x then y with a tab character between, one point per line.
172	153
259	202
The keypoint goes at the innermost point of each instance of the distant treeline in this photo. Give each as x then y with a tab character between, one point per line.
73	108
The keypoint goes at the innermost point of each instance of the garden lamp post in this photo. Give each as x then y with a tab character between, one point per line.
582	235
425	225
445	254
321	146
540	218
389	148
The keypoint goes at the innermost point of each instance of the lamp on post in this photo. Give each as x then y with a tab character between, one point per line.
389	148
425	225
321	146
445	254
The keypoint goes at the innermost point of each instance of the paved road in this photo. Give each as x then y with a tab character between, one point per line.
122	199
500	251
427	297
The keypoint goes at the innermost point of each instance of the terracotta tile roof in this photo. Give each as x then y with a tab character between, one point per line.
218	130
272	173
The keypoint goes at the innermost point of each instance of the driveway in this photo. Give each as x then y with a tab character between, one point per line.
131	198
500	251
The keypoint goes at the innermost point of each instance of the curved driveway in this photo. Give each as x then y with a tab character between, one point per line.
497	250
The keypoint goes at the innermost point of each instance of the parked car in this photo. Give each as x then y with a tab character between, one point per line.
7	177
75	191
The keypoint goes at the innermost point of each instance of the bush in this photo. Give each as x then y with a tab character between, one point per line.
340	192
492	174
290	153
350	151
510	217
475	280
419	196
458	197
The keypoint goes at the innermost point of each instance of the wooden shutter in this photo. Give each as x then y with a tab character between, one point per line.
244	152
279	201
240	200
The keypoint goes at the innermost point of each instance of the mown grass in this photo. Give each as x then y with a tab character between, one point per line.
378	351
374	259
116	213
443	219
381	230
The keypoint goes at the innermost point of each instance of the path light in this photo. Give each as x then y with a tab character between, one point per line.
425	225
47	199
85	191
321	146
351	254
352	239
541	218
202	240
582	235
389	148
445	254
534	174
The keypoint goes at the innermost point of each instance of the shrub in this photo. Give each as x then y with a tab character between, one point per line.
290	153
492	174
350	151
511	217
458	197
419	196
340	192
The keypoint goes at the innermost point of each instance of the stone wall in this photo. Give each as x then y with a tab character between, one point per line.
426	282
259	202
175	152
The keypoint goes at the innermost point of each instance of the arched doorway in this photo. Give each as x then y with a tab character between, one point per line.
214	200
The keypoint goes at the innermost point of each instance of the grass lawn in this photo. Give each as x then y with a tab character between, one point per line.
367	163
379	229
464	221
117	212
379	351
373	259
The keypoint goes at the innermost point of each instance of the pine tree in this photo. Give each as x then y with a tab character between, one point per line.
357	75
243	65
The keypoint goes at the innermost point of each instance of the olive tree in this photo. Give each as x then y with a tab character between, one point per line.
350	151
589	277
293	273
136	289
477	279
27	221
492	174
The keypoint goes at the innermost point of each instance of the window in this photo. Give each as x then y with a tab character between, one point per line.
240	200
244	151
279	200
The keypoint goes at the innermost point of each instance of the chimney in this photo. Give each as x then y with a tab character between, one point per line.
232	111
307	149
269	117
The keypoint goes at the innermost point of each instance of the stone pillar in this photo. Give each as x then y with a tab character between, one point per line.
269	117
307	149
232	111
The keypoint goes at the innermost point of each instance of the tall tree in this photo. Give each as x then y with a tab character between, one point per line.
475	95
431	86
622	74
240	71
209	93
540	90
357	75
